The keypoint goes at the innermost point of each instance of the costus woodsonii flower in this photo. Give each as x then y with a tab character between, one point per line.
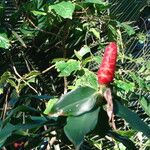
107	68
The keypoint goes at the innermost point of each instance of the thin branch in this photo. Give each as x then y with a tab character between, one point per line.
47	32
15	70
49	68
5	104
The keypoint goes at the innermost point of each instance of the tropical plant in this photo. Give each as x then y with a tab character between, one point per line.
49	88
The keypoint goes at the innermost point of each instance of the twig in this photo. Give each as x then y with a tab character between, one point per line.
49	68
15	70
47	32
5	104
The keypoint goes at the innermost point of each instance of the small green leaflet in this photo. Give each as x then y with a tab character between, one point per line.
64	9
145	103
130	30
95	32
4	41
50	105
36	13
84	50
66	68
87	79
101	2
126	86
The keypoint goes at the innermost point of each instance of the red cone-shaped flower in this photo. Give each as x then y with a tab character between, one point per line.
107	68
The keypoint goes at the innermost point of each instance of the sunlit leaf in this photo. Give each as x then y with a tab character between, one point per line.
65	9
95	32
96	2
87	79
4	41
50	105
76	102
66	68
145	103
83	51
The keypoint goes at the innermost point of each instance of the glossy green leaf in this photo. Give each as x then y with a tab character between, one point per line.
65	9
66	68
77	127
77	101
145	103
132	118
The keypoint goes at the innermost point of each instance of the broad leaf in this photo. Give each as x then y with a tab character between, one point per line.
77	127
132	118
64	9
77	101
66	68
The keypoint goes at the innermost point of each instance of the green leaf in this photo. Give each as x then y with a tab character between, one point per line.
145	103
77	127
4	41
84	50
95	32
1	90
66	68
5	76
5	133
77	101
12	83
126	86
130	30
36	13
21	108
87	79
64	9
50	105
96	2
132	118
31	74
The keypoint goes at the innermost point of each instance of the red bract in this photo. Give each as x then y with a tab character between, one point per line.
107	68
